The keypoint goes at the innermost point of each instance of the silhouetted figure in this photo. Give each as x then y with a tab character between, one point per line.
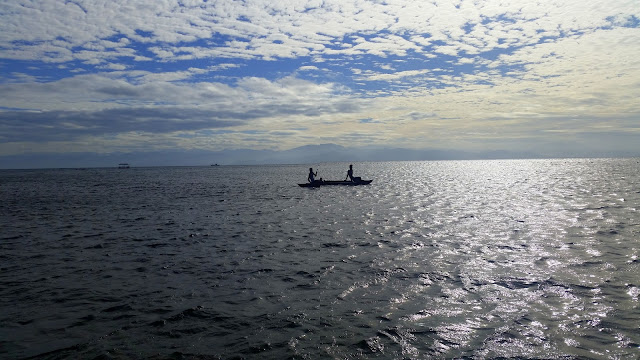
312	176
350	174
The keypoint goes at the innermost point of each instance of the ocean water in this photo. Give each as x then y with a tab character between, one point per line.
527	259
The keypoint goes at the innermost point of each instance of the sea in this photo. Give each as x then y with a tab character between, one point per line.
495	259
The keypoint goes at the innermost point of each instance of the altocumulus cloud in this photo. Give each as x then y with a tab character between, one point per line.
466	74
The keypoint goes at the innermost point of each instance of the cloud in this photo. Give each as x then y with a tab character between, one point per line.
373	76
271	30
57	125
102	33
68	125
110	104
425	71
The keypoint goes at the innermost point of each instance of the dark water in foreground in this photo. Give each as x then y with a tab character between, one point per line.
457	259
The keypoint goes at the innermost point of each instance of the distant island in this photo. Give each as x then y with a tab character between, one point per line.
300	155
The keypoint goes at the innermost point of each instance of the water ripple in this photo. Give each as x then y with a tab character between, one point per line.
459	259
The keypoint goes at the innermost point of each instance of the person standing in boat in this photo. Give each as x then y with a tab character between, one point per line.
312	176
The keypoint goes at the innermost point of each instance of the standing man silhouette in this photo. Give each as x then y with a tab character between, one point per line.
350	174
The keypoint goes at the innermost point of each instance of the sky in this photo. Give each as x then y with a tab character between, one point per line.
125	76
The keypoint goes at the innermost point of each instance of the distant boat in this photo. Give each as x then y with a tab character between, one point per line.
123	166
215	165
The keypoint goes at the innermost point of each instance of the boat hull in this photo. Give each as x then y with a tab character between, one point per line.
319	183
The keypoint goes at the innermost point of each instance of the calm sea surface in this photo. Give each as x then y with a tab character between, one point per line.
453	259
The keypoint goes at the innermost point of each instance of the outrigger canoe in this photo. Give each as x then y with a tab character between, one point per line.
319	183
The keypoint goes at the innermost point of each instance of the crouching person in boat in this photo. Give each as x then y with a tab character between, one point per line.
350	175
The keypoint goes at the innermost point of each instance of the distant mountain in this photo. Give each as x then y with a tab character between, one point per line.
308	154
